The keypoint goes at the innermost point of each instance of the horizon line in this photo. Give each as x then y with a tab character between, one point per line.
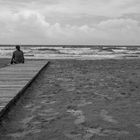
68	45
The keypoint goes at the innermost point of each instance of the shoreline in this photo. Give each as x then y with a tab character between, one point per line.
107	57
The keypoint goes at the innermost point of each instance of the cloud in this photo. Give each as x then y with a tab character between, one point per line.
121	30
70	22
32	28
111	8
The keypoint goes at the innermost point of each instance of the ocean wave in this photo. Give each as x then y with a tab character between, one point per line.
52	52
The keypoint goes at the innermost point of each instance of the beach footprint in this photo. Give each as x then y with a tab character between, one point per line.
80	118
84	103
104	115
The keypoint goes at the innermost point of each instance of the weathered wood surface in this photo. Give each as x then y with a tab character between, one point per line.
14	78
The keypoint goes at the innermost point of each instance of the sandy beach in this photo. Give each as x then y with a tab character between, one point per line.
79	100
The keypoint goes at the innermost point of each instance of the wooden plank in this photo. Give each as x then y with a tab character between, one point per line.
10	86
13	83
17	71
5	93
20	72
14	79
6	90
5	99
17	75
19	67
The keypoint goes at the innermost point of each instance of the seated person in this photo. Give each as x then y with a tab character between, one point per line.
18	56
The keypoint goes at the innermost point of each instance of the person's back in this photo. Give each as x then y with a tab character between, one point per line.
18	56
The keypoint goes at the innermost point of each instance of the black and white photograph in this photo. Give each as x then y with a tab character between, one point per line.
69	69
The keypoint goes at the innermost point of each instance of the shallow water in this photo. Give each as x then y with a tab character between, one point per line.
79	100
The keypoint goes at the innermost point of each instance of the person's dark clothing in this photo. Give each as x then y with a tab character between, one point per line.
18	57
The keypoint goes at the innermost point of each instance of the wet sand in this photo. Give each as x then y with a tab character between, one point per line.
79	100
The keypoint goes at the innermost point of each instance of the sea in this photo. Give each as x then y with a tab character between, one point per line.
82	52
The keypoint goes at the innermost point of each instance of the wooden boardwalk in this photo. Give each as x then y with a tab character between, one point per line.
14	79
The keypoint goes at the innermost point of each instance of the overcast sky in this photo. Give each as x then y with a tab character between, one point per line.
70	22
